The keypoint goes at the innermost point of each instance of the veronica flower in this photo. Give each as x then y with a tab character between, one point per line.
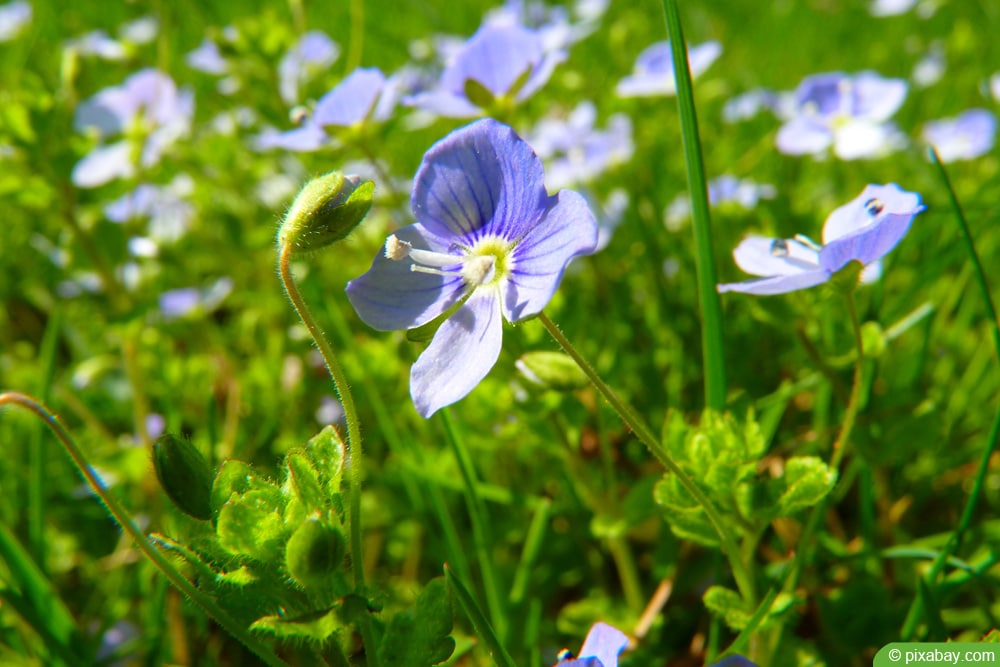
149	109
364	95
499	66
734	661
575	151
847	113
99	44
14	18
553	23
313	53
187	301
167	208
863	230
749	104
489	244
207	58
601	648
654	69
725	189
964	137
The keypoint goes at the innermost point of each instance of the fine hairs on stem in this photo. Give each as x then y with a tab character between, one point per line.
124	519
353	436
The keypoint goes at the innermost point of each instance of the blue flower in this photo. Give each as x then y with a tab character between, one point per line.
863	230
575	151
654	69
964	137
509	62
734	661
313	53
14	18
364	95
602	647
846	113
148	108
489	244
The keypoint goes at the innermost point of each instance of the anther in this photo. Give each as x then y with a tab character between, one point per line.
874	206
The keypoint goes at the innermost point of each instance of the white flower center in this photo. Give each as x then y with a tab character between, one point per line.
486	262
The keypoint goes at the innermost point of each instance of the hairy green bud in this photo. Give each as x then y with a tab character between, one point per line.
314	552
551	370
325	211
184	474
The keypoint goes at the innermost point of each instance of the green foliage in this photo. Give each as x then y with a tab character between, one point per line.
724	457
421	637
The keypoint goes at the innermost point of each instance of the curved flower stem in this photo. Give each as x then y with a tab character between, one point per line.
353	436
122	517
741	572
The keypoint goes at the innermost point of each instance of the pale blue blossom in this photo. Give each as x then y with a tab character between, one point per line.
575	151
149	109
489	244
14	18
654	69
509	63
864	230
964	137
846	113
312	54
601	648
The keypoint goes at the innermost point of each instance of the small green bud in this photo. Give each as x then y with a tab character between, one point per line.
314	552
873	338
551	370
325	211
184	474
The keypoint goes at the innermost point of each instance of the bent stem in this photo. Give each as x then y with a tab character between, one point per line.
741	571
353	434
122	517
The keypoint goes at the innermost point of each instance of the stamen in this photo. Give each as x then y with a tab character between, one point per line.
808	242
564	654
396	249
779	248
874	207
478	270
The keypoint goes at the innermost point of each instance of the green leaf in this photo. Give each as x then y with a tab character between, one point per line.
727	605
806	481
314	553
304	481
687	519
316	626
251	525
421	637
327	451
235	477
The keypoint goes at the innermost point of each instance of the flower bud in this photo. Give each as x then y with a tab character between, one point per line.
325	211
551	370
314	552
184	474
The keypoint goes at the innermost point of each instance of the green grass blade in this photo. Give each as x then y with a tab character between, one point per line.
36	599
708	296
479	622
955	541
